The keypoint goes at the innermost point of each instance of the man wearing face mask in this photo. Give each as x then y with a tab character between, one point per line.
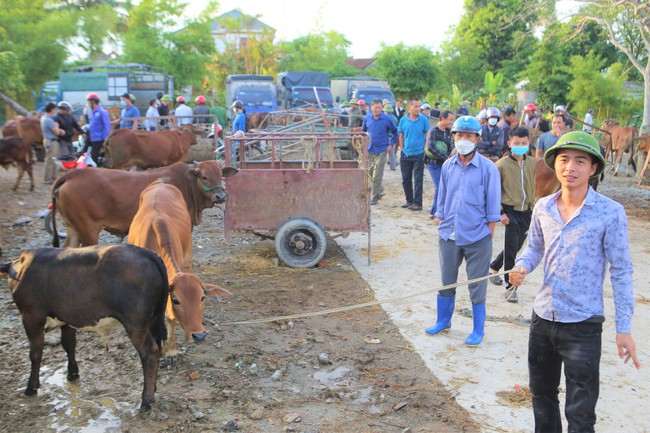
517	173
128	110
468	208
491	144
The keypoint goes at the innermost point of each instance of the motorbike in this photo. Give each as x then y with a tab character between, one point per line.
66	163
252	149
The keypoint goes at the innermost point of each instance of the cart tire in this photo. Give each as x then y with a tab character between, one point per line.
301	243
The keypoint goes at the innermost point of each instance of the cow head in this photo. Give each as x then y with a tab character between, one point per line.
191	132
205	188
187	293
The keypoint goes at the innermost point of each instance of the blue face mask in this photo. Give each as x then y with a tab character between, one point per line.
520	150
123	104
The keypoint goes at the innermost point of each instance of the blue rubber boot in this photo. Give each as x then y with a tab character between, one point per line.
477	335
445	310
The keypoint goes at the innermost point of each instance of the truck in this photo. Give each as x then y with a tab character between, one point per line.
257	92
301	89
109	82
366	88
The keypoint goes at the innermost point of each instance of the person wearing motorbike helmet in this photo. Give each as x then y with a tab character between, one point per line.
577	234
201	108
99	126
239	124
68	124
530	115
183	113
468	208
492	143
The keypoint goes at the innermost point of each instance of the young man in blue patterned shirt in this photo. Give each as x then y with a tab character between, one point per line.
577	231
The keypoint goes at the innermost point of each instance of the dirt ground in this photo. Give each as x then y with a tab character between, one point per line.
350	372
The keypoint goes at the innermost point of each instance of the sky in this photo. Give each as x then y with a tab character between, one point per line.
366	24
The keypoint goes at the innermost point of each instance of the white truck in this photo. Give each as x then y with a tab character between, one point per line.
257	92
366	88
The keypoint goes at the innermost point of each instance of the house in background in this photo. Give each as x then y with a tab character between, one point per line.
235	28
363	65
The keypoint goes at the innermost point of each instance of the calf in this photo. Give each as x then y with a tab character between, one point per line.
14	150
163	225
144	149
91	288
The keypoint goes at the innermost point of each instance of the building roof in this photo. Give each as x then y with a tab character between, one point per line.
361	64
252	23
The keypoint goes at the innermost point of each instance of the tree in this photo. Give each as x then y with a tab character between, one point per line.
548	73
97	21
628	26
151	39
323	52
499	30
603	91
411	71
13	80
38	39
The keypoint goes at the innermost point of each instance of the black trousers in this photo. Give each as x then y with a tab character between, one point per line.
578	347
412	168
514	238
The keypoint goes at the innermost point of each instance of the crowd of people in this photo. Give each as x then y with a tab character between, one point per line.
483	170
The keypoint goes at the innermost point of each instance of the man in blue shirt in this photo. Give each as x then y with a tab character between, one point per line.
577	232
383	135
128	110
238	127
468	208
412	138
99	127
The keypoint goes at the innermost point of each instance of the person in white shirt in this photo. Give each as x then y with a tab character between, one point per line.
152	111
183	112
589	121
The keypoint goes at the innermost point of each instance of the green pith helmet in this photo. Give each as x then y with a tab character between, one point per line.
354	101
576	140
345	104
388	108
166	98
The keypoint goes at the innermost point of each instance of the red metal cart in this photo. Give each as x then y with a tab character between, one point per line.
299	189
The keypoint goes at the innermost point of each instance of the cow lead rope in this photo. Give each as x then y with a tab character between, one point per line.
362	305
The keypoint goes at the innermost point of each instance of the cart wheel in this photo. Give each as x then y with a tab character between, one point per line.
300	243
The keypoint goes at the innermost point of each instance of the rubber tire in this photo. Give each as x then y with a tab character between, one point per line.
47	221
307	227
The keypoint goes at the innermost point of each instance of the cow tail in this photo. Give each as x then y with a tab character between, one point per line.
55	235
635	134
157	325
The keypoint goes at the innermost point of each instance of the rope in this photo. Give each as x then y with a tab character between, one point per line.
362	305
310	147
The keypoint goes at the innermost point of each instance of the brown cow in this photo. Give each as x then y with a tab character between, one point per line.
99	199
258	121
14	150
163	225
144	149
546	182
93	288
10	129
29	129
620	140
